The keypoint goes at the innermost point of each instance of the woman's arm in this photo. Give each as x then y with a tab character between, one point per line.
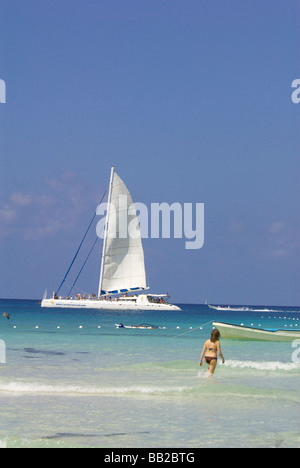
220	352
202	355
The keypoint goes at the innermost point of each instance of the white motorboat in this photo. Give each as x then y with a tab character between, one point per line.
228	330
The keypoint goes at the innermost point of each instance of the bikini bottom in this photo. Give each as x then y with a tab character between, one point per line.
209	359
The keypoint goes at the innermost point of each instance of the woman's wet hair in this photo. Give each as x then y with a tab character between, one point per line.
215	335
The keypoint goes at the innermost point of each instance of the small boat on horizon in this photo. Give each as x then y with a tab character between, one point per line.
219	307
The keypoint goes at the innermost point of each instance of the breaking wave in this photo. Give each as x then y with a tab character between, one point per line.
40	388
263	365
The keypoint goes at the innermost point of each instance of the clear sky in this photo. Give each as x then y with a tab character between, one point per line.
191	101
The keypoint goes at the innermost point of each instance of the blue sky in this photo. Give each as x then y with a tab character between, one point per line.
191	101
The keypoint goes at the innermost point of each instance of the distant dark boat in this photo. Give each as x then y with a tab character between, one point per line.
229	330
143	326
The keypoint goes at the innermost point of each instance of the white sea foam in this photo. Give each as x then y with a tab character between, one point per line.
40	388
262	365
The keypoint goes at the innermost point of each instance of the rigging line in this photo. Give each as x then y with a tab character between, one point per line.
80	245
190	331
77	289
97	238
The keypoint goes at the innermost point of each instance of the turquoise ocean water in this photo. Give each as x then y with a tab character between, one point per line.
71	379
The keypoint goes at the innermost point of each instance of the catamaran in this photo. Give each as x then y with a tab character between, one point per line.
122	272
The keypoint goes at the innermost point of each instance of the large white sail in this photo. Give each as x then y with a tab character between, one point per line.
123	265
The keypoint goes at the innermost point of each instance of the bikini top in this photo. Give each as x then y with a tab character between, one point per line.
212	349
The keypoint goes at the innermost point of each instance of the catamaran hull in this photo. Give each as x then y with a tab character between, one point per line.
107	305
228	330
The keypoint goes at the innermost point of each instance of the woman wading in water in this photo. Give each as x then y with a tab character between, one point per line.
211	350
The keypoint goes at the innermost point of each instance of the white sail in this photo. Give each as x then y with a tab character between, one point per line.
123	265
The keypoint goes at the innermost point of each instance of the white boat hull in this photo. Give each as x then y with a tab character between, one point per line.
140	303
246	333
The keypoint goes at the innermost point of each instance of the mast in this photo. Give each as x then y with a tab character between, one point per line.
106	230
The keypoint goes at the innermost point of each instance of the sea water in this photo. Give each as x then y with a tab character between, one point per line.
72	379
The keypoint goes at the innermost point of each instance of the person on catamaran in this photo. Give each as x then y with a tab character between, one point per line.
211	350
